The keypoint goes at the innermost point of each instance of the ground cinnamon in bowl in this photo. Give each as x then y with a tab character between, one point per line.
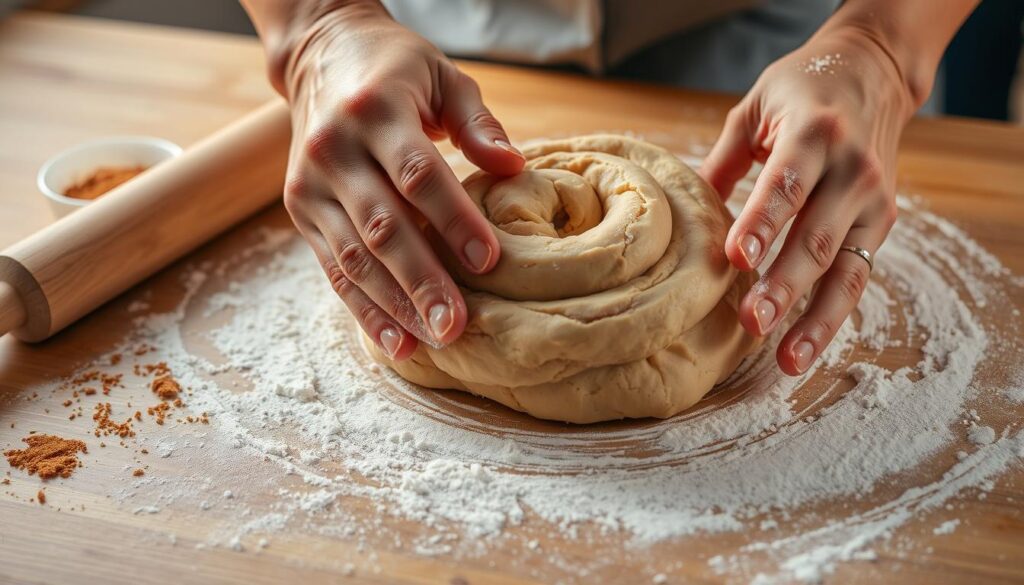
102	180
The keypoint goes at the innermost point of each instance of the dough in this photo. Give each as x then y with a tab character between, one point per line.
613	297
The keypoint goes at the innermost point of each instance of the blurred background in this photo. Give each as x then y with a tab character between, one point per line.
982	75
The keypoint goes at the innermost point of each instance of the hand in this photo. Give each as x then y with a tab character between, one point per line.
825	121
368	98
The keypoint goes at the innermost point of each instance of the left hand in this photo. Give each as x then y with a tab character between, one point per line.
825	120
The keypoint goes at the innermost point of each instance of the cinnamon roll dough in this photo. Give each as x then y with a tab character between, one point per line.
613	297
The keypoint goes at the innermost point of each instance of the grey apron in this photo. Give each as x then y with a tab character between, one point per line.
720	45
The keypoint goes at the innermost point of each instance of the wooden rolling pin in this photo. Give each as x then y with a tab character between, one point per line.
56	276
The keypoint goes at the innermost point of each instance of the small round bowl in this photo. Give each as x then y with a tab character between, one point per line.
78	162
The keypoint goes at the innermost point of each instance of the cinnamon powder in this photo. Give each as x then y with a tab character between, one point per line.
48	455
107	426
159	412
81	382
166	387
102	180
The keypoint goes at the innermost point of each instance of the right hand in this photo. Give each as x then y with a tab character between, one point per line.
368	99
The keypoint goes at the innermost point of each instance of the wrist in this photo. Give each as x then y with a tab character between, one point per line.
892	77
913	72
898	32
287	28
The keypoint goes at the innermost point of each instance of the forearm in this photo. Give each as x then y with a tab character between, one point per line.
283	27
913	33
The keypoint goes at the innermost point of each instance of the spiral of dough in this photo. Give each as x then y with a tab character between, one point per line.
613	297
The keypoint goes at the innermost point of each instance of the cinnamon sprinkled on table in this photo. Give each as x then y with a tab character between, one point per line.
47	455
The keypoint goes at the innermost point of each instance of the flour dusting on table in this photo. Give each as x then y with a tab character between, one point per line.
272	356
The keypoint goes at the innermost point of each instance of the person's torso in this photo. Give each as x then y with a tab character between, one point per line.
594	34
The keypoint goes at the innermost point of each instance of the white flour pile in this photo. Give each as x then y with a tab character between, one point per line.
758	459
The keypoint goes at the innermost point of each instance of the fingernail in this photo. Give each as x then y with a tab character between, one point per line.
478	254
750	246
803	352
440	320
390	340
764	312
504	145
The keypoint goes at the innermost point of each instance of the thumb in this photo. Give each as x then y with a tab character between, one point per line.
731	157
473	129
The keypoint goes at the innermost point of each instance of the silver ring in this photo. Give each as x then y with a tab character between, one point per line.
862	253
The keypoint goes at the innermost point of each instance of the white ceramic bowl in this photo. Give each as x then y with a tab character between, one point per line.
77	163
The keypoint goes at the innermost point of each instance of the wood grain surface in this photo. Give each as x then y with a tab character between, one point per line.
66	80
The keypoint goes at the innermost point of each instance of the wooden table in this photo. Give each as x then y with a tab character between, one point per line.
67	79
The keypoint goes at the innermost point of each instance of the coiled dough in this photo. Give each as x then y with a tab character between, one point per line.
613	297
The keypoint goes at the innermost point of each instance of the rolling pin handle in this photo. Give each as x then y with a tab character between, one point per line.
12	311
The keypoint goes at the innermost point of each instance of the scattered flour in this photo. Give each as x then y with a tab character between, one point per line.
981	435
1015	394
947	527
764	448
822	65
138	306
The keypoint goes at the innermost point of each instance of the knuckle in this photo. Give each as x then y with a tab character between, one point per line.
417	175
870	173
464	82
401	307
296	190
734	115
819	246
367	314
356	262
454	225
764	221
363	100
458	81
482	119
423	287
820	327
380	231
785	186
869	170
339	282
826	126
784	291
852	281
323	144
891	213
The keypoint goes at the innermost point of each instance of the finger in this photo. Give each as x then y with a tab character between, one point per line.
472	128
793	168
809	250
389	233
836	297
732	155
426	181
362	268
391	337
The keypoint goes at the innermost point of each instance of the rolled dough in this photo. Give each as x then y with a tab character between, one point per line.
613	297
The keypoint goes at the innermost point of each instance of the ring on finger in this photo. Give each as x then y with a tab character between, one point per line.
862	253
